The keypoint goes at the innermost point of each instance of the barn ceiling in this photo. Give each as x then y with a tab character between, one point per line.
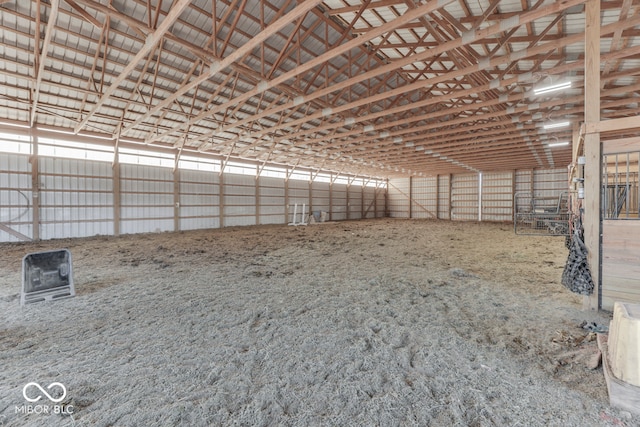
377	87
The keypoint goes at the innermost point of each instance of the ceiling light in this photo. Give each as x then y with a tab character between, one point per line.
556	125
551	88
559	144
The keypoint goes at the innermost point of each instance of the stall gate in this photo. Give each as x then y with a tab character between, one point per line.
541	215
620	245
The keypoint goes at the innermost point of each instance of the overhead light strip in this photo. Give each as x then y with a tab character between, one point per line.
552	88
559	144
556	125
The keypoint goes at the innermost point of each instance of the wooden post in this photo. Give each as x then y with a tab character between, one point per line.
221	199
286	197
330	196
258	196
592	150
310	198
176	200
348	207
576	171
362	213
35	185
450	198
115	168
410	197
513	194
438	196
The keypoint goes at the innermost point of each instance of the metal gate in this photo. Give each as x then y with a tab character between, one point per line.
541	216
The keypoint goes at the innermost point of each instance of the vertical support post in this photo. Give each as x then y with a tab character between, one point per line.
115	169
577	169
35	185
532	185
362	200
375	200
221	199
410	197
480	196
176	191
330	196
311	196
450	197
176	199
514	175
348	202
592	149
438	196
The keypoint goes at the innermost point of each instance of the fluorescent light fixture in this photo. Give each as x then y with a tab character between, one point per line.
551	88
559	144
556	125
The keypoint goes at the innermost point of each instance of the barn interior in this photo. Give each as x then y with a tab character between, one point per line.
338	212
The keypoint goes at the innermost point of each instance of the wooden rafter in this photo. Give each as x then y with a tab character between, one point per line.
41	55
150	44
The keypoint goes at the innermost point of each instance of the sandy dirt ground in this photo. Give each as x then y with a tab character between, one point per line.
379	322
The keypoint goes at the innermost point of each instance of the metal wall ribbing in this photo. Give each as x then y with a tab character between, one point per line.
497	196
16	197
75	198
464	197
399	197
146	199
79	198
459	197
272	201
199	205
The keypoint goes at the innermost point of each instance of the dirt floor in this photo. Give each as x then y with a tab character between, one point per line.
379	322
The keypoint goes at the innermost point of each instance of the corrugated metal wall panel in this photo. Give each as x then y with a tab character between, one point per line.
339	202
381	203
550	182
398	198
320	201
199	200
464	197
355	202
146	199
239	200
76	198
524	181
16	197
369	207
443	197
423	197
272	201
497	196
298	192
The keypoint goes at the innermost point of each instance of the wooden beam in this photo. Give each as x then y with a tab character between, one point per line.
150	44
604	126
34	159
219	66
444	47
351	44
42	56
86	15
14	233
592	147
